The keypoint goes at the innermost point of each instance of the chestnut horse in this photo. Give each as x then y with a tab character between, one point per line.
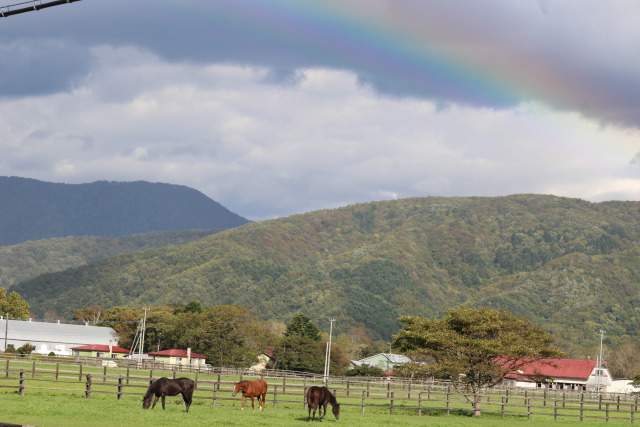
255	388
319	397
169	387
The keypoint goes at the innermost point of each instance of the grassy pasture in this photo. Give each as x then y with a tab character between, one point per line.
54	410
47	403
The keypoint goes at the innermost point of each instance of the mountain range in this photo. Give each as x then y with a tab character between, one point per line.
571	266
34	210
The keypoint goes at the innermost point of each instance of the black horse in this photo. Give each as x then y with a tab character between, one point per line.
321	397
169	387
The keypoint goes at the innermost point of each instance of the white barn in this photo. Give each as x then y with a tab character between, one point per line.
52	337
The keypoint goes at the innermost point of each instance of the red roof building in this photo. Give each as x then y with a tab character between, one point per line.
562	374
179	357
100	350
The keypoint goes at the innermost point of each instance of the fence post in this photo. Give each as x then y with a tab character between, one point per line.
607	411
195	381
544	397
555	410
150	376
388	389
214	396
368	388
347	385
22	382
87	393
448	399
128	375
502	408
104	374
275	396
633	408
80	373
391	399
528	403
120	388
409	391
618	403
599	401
364	393
33	370
419	403
284	383
7	369
507	396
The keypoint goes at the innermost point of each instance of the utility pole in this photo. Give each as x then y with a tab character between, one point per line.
144	327
6	330
599	371
327	356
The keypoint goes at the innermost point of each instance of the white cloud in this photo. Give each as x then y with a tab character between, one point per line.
320	141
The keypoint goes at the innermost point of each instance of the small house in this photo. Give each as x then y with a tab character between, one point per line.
562	374
179	357
100	350
385	361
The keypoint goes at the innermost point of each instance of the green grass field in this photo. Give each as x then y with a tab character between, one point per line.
62	402
53	410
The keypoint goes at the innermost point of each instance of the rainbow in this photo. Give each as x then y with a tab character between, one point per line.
348	35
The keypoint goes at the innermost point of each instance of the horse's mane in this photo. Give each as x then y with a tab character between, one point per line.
332	398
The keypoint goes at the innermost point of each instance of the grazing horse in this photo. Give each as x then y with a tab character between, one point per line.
169	387
255	388
319	397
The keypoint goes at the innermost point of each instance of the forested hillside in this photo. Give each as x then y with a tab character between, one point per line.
31	259
36	210
569	264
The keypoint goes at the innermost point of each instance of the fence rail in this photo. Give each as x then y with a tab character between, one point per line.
366	395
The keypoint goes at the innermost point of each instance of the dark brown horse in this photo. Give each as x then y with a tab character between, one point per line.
321	397
169	387
255	388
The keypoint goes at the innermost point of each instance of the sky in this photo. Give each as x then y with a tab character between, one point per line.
280	107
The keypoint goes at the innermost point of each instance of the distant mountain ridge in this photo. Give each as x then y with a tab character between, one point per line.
35	210
570	265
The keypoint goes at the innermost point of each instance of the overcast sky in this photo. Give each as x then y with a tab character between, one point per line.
278	107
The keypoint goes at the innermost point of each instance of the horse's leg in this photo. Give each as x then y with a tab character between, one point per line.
163	396
187	401
244	398
155	400
261	398
253	408
322	412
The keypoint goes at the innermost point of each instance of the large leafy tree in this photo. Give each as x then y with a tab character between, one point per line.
474	348
302	326
301	348
13	304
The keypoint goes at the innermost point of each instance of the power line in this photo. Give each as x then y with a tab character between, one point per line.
8	10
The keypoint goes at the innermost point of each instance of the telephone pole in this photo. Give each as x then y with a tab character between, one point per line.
327	356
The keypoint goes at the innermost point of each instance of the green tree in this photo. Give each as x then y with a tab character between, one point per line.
303	326
13	304
474	348
26	349
297	353
365	371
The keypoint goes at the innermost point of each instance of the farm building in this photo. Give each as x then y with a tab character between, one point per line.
53	337
100	350
179	357
563	374
385	361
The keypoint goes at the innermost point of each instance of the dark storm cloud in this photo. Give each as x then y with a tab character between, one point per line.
582	44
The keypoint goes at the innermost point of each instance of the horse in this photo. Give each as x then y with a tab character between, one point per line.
319	397
169	387
255	388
